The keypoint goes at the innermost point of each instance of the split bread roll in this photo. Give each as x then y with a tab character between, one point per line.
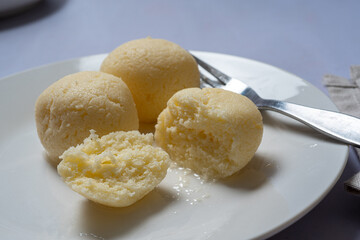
77	103
153	69
212	131
115	170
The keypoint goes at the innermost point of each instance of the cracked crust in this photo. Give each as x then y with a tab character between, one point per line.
117	169
212	131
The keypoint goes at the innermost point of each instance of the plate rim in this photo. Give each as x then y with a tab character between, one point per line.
286	222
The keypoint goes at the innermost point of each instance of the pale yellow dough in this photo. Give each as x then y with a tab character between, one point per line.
115	170
211	131
153	69
70	107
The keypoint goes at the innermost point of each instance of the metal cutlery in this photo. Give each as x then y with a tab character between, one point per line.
339	126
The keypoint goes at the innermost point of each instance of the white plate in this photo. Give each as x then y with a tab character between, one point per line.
292	171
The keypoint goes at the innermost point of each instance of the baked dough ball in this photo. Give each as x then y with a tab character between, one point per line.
153	69
212	131
115	170
70	107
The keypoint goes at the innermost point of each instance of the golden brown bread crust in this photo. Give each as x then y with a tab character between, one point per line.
70	107
153	69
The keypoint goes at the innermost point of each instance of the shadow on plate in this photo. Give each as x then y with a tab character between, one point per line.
262	167
255	174
39	10
52	163
108	222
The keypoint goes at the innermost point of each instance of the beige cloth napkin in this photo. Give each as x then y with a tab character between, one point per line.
345	93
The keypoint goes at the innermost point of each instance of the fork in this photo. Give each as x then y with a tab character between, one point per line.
339	126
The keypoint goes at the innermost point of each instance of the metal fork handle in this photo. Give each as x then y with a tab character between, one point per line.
333	124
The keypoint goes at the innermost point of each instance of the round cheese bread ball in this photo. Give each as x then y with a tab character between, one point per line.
115	170
212	131
70	107
153	69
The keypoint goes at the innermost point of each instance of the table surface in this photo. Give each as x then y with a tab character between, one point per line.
307	38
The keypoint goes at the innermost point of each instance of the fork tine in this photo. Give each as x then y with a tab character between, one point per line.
207	82
203	82
204	85
222	77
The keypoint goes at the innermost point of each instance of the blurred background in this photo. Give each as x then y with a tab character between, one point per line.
307	38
